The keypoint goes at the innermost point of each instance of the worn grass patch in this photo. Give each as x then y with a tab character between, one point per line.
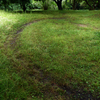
54	55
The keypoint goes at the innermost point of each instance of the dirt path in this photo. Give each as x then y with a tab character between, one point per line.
13	42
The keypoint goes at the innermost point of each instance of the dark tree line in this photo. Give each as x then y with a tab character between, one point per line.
23	3
92	4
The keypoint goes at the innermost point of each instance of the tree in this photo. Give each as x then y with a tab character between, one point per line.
98	4
59	4
45	4
74	4
24	4
93	4
5	3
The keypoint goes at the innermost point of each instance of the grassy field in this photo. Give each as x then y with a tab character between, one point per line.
50	55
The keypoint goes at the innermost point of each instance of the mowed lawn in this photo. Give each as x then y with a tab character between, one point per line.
50	55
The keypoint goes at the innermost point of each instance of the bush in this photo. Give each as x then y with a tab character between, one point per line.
37	5
53	5
46	4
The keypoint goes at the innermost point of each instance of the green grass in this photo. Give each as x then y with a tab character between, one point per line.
55	57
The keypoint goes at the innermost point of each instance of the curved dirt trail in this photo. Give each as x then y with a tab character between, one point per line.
16	34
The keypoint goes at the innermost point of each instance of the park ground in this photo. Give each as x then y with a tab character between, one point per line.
50	55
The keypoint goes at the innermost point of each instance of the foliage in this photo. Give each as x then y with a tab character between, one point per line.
37	5
8	4
45	4
93	4
49	4
24	4
59	4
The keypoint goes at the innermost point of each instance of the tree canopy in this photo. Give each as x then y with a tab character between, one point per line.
61	4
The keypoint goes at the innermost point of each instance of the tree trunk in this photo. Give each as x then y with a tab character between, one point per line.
66	1
59	4
91	8
98	5
24	8
74	4
5	7
70	1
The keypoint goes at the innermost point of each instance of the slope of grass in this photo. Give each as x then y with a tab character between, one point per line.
55	57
